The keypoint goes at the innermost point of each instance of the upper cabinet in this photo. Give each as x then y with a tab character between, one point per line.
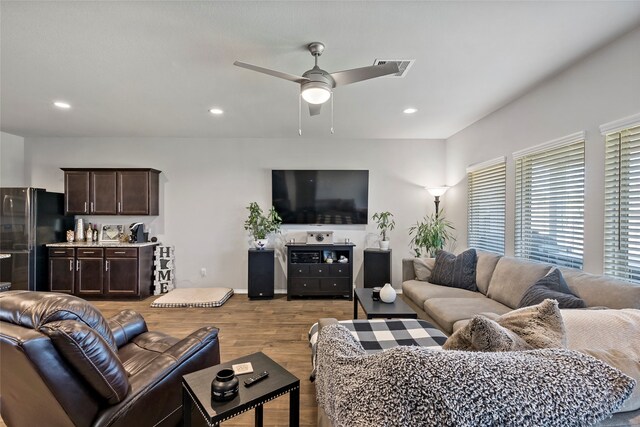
111	191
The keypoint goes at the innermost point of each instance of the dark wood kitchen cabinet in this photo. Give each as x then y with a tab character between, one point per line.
108	191
101	272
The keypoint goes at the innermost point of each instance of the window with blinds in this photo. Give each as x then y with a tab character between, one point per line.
622	204
486	192
550	202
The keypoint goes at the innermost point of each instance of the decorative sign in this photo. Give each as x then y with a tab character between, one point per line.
165	270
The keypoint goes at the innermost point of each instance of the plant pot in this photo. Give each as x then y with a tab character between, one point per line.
261	243
384	245
387	293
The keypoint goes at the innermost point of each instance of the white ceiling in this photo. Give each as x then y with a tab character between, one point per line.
155	68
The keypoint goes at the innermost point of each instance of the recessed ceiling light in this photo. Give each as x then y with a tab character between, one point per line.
409	110
62	105
216	111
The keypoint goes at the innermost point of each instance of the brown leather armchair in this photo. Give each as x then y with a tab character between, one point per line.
63	364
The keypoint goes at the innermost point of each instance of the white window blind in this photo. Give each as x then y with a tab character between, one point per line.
550	202
622	204
486	194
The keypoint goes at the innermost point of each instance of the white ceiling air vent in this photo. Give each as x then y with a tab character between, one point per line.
403	65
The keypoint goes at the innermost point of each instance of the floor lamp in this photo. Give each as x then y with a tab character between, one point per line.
437	192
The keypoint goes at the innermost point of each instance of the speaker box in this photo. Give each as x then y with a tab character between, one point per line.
377	267
261	273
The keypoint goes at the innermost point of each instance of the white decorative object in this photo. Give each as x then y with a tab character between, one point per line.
384	245
261	243
387	293
164	273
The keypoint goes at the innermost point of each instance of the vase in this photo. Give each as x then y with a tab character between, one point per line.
387	293
225	385
261	243
384	245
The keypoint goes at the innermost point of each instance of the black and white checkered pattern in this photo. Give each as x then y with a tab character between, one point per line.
379	334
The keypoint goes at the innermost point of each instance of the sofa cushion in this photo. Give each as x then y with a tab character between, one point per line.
419	291
589	287
485	266
551	286
511	279
628	365
423	268
455	271
484	334
447	311
539	326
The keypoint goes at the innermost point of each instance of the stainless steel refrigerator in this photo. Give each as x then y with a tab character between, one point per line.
30	218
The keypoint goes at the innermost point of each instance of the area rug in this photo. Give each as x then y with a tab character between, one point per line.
194	297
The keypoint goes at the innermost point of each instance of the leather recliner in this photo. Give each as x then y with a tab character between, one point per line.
63	364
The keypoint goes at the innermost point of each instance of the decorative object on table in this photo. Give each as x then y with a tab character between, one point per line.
89	233
111	233
260	225
430	235
224	386
164	274
193	297
375	295
70	236
328	260
94	232
79	230
436	192
385	224
242	368
343	259
387	293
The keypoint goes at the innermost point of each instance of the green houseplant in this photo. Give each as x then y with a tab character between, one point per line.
260	225
385	224
431	234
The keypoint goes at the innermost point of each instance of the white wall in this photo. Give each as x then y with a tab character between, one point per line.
601	88
12	166
205	186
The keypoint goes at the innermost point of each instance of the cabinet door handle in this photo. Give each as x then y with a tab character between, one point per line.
319	270
106	266
304	284
89	252
70	265
77	265
120	252
85	207
335	284
119	207
91	207
59	252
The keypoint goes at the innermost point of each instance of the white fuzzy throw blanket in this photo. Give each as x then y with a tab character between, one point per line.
416	386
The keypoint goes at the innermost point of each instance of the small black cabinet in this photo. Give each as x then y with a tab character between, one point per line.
261	273
377	267
308	273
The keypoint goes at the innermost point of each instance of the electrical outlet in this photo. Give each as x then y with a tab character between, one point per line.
203	272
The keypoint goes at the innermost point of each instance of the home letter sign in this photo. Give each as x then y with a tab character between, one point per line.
164	271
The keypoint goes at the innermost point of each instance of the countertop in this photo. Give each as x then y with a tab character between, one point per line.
100	245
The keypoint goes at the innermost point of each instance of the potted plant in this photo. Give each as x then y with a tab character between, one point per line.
431	234
260	225
385	224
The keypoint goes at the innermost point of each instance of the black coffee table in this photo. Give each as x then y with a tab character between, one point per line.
196	390
379	309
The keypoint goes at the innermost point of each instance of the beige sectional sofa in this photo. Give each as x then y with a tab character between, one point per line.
502	281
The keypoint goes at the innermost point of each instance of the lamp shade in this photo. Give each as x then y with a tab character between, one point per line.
316	93
437	191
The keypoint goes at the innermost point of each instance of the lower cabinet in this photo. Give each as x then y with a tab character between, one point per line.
102	272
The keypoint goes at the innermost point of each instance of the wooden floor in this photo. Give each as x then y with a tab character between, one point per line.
276	327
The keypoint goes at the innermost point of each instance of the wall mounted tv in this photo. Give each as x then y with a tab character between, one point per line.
321	196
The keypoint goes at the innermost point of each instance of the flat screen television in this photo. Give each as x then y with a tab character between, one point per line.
321	196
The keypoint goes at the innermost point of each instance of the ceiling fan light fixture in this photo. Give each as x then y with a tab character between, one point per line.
315	92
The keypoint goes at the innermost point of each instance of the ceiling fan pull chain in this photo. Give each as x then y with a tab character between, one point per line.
331	114
299	115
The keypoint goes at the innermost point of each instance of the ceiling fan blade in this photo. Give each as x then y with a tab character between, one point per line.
365	73
279	74
314	109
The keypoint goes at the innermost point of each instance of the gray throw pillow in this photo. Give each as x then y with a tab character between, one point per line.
484	334
455	271
423	267
551	286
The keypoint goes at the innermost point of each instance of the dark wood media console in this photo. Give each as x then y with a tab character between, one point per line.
309	275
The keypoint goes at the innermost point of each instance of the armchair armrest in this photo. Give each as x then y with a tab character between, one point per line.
127	325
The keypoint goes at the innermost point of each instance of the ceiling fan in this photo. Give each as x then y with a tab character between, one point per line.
316	84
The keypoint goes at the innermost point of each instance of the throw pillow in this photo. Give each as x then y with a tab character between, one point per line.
539	326
455	271
484	334
423	268
551	286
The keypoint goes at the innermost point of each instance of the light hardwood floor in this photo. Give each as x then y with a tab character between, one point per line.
276	327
